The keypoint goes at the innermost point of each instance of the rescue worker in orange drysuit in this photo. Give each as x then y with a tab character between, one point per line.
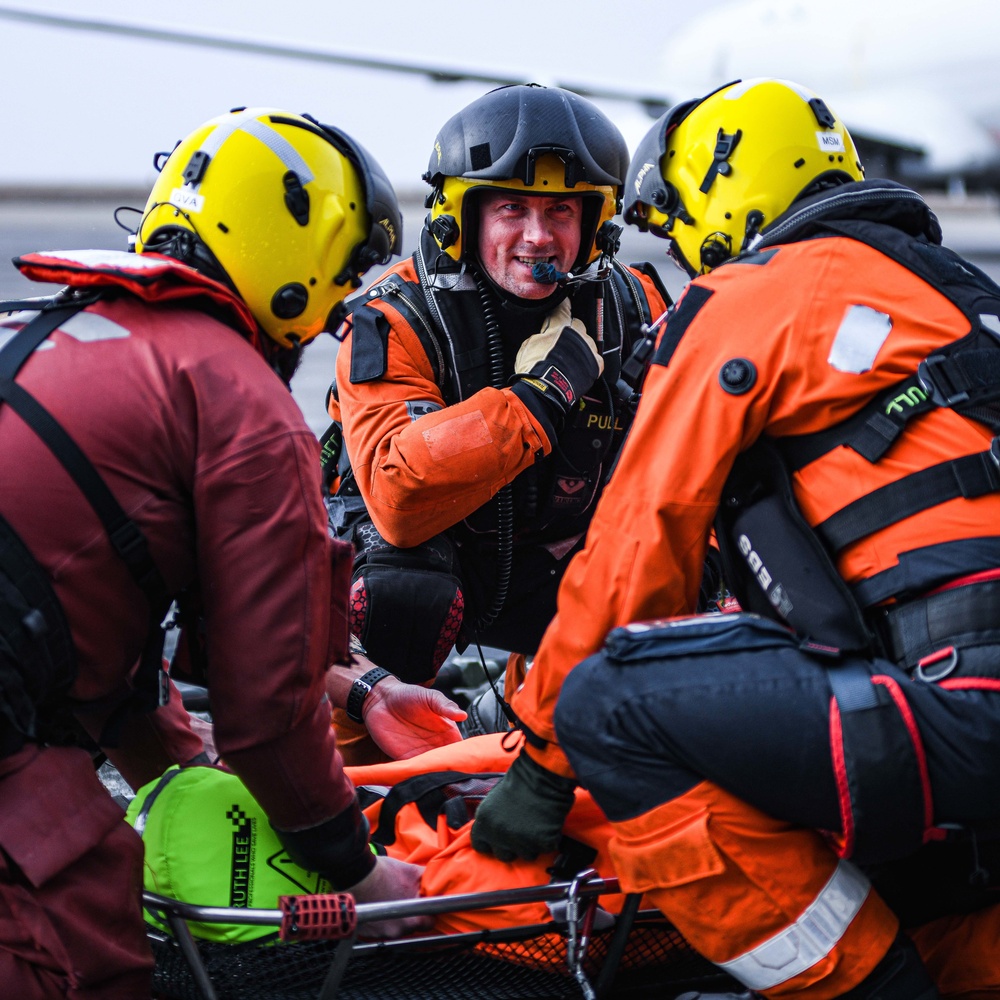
777	779
476	385
151	451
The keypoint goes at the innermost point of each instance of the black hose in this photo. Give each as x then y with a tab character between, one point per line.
505	496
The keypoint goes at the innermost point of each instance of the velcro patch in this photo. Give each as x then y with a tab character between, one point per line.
560	383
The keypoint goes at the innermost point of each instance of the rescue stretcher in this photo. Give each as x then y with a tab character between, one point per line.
320	952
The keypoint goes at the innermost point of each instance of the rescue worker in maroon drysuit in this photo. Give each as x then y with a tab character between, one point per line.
162	367
792	789
477	398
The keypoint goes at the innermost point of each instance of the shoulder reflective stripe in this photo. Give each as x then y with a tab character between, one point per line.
87	326
811	938
688	306
861	334
84	326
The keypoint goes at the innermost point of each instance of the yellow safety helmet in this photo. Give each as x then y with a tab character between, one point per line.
290	211
525	139
713	172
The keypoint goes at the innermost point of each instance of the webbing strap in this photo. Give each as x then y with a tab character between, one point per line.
882	789
24	342
127	540
852	687
870	432
970	476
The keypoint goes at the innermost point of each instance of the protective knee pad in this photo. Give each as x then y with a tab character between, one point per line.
406	604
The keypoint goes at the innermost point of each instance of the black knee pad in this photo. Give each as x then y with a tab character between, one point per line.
406	604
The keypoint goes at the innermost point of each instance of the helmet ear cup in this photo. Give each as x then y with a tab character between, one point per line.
444	229
715	250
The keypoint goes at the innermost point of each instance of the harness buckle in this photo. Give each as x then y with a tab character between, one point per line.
933	373
943	662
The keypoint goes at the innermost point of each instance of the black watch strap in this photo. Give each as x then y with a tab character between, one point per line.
359	691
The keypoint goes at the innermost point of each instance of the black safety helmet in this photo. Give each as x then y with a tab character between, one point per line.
525	138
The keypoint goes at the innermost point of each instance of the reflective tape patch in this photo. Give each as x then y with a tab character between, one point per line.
990	322
811	938
459	434
84	326
88	327
862	333
278	144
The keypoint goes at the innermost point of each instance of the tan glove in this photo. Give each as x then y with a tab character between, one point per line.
539	346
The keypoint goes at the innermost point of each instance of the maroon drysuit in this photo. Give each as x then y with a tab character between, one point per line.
204	448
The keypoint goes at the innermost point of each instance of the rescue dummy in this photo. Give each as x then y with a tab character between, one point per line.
767	773
152	452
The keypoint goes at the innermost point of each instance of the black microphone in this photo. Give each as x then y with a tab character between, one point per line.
547	274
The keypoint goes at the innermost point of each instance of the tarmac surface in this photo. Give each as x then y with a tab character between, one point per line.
29	222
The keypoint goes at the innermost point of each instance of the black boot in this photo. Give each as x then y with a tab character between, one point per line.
899	976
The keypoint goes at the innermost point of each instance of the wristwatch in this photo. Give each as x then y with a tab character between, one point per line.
360	689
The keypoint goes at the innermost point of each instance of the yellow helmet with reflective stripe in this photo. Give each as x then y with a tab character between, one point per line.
712	173
290	211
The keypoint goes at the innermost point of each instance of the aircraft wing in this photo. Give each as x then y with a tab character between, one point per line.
886	156
654	104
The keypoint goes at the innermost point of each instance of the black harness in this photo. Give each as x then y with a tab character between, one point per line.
448	312
35	639
760	524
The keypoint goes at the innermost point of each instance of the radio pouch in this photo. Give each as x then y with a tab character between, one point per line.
774	562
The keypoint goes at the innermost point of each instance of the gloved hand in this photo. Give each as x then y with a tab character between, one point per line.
407	719
523	815
560	362
390	879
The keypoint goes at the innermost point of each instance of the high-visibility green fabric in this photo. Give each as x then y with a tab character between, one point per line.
209	843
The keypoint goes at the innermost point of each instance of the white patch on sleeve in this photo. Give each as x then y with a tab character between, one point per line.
862	333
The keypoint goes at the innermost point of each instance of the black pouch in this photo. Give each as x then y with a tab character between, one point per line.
37	656
876	763
774	562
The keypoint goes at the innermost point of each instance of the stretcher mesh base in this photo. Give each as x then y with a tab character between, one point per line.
656	962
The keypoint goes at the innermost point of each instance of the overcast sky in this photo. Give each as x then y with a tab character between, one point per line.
92	108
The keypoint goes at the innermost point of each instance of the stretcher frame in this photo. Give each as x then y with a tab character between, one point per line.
337	918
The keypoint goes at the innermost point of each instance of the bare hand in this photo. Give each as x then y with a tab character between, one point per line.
407	719
388	880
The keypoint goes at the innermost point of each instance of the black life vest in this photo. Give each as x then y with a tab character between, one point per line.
448	311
